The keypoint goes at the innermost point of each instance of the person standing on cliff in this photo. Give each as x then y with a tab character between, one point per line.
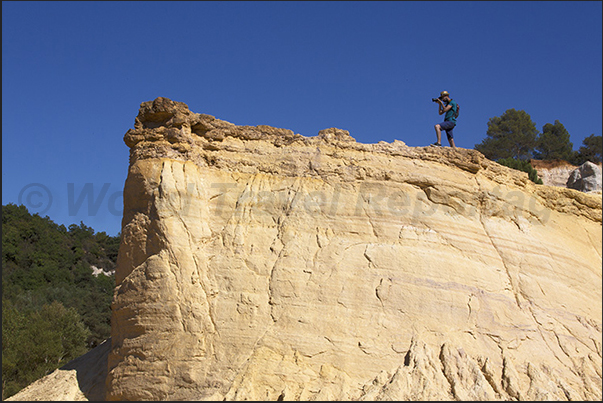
448	106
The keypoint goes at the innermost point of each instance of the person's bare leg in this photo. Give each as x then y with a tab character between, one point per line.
438	133
451	141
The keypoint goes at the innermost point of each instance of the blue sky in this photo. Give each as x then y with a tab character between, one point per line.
74	75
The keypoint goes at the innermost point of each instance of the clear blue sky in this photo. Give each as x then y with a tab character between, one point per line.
74	75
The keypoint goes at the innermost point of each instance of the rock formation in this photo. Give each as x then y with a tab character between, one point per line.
586	178
259	264
553	172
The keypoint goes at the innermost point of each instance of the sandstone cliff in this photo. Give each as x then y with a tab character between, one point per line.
260	264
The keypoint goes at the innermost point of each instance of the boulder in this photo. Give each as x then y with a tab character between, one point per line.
585	178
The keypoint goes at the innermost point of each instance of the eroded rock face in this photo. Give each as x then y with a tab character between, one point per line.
261	264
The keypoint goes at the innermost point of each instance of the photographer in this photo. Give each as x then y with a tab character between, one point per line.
448	106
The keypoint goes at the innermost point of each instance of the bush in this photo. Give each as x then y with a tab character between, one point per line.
35	343
523	166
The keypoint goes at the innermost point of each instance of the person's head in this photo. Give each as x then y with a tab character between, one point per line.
445	96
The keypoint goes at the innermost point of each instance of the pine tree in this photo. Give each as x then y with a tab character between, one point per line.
512	135
590	151
554	143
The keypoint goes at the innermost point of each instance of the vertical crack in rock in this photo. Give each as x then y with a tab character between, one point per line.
510	379
595	245
514	289
488	372
367	257
379	291
482	218
469	306
368	216
293	195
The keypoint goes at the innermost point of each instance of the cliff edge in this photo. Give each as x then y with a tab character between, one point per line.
260	264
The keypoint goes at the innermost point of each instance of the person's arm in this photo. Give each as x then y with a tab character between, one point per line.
443	109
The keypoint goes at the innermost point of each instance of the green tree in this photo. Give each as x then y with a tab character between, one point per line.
511	135
589	151
38	342
554	143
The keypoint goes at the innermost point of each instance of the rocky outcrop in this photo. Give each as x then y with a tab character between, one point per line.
553	172
259	264
586	178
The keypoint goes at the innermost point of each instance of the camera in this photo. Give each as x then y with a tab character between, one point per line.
434	99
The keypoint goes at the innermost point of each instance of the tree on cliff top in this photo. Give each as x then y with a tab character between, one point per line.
590	151
554	143
512	135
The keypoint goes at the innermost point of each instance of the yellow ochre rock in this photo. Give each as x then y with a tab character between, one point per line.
260	264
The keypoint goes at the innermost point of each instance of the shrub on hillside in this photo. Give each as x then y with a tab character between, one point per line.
523	166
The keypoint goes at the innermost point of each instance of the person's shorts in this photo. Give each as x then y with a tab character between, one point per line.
448	126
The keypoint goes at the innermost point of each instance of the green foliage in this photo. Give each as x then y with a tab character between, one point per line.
512	135
47	274
36	342
554	143
589	151
521	165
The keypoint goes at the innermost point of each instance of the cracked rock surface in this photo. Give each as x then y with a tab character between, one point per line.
259	264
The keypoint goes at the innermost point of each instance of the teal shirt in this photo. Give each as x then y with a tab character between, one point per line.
450	113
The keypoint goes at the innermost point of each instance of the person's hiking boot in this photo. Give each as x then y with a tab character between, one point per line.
437	144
